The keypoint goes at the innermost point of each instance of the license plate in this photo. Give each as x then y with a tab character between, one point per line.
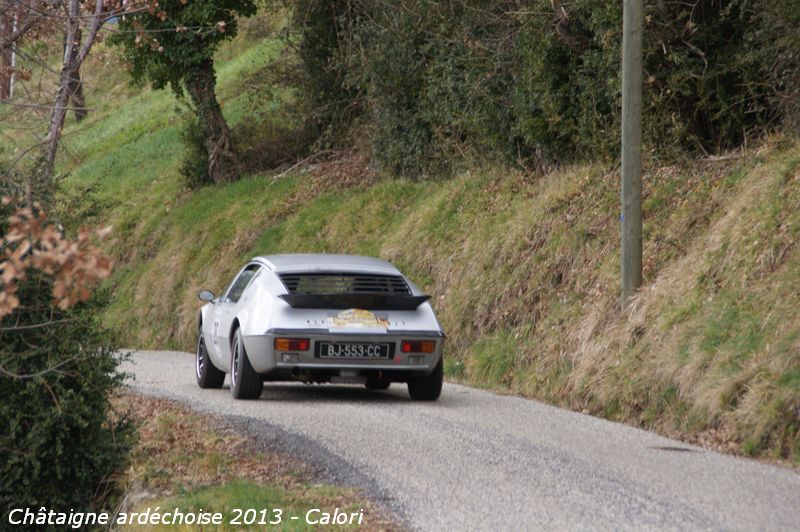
353	350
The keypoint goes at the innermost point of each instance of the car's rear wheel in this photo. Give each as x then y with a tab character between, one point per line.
208	376
377	382
245	382
429	387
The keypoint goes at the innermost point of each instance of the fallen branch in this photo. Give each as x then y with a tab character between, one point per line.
300	163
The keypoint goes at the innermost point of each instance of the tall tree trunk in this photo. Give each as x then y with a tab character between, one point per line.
62	97
69	73
5	55
223	164
75	87
12	78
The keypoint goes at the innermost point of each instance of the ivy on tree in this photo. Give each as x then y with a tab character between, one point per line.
173	43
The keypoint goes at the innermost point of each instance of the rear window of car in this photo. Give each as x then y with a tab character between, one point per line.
344	283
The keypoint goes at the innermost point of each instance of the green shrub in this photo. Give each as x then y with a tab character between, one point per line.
60	446
331	100
435	81
566	90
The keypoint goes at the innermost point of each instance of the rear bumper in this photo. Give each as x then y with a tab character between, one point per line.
264	358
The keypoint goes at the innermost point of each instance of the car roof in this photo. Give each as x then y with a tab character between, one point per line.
326	262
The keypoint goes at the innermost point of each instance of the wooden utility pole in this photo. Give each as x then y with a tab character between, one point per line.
632	25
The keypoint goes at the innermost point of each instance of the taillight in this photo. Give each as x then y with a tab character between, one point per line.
417	346
292	344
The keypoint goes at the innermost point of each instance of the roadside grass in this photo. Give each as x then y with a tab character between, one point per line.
523	269
186	461
247	496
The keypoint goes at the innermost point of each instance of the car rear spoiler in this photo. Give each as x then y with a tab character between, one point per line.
362	301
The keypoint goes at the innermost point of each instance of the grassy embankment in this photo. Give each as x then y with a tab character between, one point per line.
523	269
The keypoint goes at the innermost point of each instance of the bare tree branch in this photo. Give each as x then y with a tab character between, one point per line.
49	369
7	41
96	22
35	325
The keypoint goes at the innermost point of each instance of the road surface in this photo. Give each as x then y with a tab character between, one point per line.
479	461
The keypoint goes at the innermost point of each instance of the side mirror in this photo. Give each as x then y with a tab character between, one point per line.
206	295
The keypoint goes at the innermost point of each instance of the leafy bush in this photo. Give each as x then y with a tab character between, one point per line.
59	445
709	73
58	448
409	73
330	98
438	81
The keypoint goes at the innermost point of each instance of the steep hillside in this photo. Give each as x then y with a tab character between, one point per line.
523	268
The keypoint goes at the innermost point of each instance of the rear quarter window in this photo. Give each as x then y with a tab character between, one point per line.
240	283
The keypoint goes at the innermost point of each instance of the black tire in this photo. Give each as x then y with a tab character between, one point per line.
429	387
377	383
245	382
208	376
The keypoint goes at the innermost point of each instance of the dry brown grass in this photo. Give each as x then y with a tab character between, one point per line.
745	261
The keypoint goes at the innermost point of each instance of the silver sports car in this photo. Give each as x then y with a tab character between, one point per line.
319	318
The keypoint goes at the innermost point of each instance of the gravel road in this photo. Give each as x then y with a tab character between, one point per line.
479	461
